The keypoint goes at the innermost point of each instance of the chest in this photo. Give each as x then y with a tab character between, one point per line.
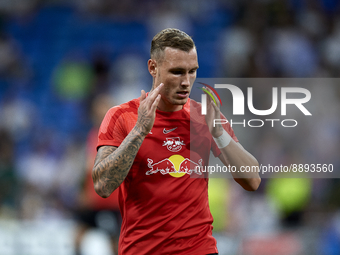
170	149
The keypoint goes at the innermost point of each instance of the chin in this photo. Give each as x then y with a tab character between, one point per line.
180	101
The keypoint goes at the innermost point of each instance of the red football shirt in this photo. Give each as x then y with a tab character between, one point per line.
164	210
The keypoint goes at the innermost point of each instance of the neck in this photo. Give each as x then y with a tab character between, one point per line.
167	107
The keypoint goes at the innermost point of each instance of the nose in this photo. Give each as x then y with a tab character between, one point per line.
186	80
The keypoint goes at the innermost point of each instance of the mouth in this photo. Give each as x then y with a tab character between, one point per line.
182	94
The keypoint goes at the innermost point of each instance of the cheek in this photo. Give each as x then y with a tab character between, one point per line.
164	91
168	92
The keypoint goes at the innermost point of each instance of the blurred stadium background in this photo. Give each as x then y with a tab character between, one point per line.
64	63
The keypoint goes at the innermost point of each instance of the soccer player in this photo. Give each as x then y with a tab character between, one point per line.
146	151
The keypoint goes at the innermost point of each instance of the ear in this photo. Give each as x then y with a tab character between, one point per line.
152	67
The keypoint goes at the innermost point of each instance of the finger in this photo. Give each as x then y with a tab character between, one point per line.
142	96
156	90
209	94
216	108
155	103
215	99
153	94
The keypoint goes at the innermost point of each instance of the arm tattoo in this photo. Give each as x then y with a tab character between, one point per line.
112	164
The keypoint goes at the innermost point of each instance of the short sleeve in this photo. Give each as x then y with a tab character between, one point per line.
112	130
216	151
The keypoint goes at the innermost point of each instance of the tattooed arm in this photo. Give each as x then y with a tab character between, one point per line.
113	164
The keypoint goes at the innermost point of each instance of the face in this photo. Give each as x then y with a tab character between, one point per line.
177	70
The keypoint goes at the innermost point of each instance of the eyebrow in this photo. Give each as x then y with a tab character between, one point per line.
182	69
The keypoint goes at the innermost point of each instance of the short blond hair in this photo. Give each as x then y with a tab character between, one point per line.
170	37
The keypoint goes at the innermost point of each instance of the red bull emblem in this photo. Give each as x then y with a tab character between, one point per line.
176	166
173	144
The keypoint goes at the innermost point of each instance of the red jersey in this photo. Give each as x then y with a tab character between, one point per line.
164	211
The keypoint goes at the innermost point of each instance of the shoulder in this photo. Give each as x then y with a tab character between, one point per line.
121	113
193	111
192	107
128	107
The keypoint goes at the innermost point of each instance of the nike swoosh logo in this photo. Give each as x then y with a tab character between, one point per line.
168	131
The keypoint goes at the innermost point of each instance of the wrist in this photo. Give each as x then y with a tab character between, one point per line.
223	140
140	130
217	131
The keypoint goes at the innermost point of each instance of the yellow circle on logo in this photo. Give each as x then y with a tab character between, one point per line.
177	160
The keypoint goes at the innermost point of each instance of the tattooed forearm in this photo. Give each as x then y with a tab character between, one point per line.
112	164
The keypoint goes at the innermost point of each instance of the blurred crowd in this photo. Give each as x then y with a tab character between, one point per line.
63	64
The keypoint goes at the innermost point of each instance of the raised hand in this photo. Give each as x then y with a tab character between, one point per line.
213	112
147	110
112	164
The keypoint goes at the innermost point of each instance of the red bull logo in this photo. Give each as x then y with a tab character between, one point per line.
176	166
173	144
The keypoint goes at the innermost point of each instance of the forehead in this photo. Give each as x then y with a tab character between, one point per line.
174	58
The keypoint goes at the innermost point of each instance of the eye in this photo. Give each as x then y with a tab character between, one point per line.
176	72
192	71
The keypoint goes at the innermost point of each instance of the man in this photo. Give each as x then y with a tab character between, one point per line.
145	149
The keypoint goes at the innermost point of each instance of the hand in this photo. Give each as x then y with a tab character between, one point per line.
147	110
213	112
